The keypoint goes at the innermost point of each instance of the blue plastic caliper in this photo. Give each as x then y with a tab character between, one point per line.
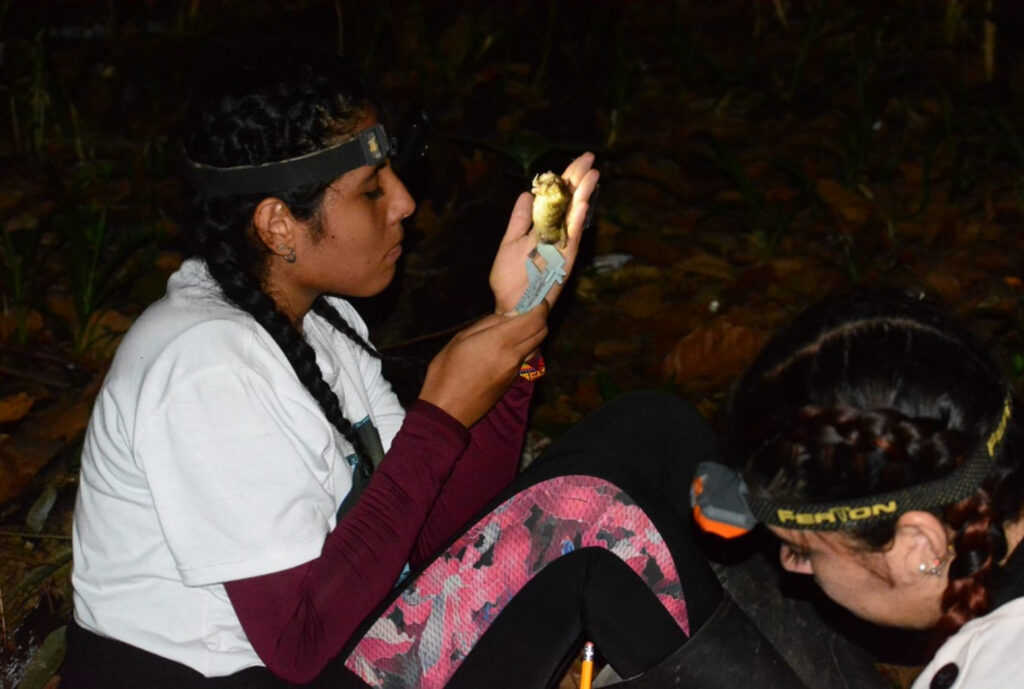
544	267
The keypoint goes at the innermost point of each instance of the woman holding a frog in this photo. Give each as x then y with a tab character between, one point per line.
251	489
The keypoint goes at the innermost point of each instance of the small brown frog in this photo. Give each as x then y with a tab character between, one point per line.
550	204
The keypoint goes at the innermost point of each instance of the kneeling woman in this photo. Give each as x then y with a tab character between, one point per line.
876	437
218	540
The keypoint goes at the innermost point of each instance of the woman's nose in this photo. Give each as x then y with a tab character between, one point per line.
403	205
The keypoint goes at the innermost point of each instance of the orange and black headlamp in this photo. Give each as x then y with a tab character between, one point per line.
719	500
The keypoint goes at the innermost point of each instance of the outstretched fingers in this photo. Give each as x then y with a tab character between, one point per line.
581	203
578	168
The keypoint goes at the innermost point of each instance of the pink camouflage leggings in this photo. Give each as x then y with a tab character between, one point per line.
591	543
423	636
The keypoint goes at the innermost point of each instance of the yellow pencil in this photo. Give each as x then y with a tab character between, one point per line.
587	668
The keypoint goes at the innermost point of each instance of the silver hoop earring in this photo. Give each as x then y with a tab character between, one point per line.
288	257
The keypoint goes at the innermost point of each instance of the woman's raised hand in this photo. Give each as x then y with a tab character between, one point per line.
475	368
508	273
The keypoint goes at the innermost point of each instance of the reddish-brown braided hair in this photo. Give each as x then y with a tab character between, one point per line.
875	391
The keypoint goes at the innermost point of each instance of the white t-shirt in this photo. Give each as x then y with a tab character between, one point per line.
206	460
987	653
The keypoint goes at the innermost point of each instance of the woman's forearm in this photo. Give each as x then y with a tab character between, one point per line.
299	618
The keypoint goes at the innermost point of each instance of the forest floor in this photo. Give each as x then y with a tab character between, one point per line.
754	157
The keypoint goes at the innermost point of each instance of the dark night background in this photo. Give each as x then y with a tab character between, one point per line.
754	154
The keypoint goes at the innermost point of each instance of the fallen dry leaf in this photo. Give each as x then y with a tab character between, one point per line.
9	196
707	265
610	348
19	319
648	247
628	276
605	232
642	302
14	407
22	221
944	284
168	261
21	458
106	328
721	349
477	168
846	203
66	420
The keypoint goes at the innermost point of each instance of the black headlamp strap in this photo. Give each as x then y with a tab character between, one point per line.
369	147
723	504
955	486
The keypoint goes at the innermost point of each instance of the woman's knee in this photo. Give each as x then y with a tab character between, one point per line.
651	428
660	409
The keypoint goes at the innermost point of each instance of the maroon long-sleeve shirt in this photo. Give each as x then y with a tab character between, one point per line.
435	476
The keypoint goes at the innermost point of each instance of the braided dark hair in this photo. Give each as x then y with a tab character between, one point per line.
257	113
871	392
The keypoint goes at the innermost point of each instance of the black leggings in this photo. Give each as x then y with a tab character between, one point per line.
628	465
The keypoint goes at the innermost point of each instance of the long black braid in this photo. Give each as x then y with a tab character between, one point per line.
323	308
262	113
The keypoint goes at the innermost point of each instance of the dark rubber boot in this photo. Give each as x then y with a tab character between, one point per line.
727	652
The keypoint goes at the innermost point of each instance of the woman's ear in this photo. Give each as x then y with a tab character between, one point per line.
794	561
274	224
920	548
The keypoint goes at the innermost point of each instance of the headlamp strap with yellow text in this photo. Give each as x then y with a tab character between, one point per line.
722	503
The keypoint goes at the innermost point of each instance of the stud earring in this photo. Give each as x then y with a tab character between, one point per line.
288	257
935	569
938	563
